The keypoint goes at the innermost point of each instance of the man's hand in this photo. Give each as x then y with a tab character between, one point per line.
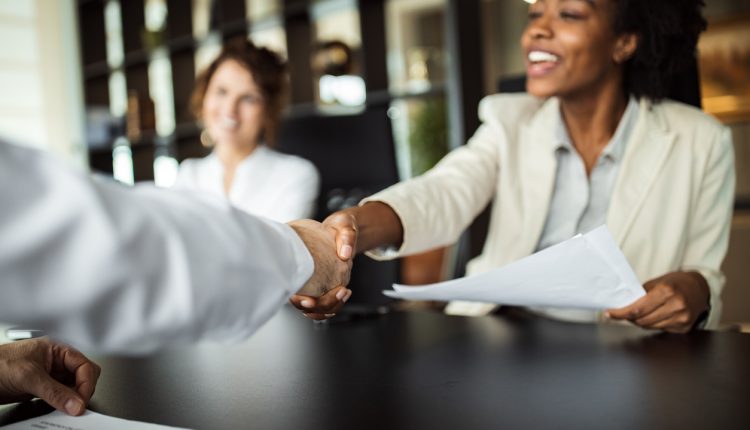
672	303
56	373
324	294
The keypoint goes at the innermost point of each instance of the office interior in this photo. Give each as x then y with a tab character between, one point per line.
105	84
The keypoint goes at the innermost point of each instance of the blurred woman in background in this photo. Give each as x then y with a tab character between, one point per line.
239	99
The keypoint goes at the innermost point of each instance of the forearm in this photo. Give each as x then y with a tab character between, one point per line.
378	225
117	269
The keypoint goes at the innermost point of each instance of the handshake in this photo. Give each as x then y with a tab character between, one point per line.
332	245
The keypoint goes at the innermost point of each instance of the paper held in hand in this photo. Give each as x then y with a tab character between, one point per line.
586	272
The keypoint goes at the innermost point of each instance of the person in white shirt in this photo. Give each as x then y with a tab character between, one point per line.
126	270
239	99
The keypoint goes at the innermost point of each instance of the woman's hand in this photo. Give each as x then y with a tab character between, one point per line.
56	373
346	228
672	303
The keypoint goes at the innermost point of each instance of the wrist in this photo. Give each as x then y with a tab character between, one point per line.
377	224
705	301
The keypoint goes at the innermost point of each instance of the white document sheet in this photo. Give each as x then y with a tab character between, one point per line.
88	421
586	272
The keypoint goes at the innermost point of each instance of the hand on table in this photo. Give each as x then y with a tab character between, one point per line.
325	293
672	303
56	373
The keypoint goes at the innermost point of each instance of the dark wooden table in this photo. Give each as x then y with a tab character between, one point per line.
422	370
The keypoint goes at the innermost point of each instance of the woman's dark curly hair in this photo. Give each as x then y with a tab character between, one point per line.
268	70
667	32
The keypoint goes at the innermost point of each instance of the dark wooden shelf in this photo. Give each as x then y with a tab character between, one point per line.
84	2
228	20
97	70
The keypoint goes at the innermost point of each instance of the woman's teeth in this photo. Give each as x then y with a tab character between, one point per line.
228	123
541	57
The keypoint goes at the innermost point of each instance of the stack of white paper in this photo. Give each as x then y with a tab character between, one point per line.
588	272
88	421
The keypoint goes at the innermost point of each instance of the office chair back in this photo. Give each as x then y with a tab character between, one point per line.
355	156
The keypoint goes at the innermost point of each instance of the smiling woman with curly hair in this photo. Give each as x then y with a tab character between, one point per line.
593	142
239	100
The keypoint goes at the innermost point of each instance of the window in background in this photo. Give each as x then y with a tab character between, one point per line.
201	11
416	75
502	26
208	49
261	9
22	101
161	91
155	15
113	28
271	36
160	88
268	32
266	26
416	46
336	54
122	155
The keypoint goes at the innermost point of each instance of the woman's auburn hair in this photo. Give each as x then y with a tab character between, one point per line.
668	32
268	70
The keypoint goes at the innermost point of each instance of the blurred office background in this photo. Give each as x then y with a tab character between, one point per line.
106	85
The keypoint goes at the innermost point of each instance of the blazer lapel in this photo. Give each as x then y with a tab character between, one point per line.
538	169
644	156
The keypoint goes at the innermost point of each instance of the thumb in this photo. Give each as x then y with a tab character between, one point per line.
346	233
346	242
59	396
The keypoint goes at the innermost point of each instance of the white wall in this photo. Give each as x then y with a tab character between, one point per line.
40	77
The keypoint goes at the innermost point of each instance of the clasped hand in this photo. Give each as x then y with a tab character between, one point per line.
332	248
332	245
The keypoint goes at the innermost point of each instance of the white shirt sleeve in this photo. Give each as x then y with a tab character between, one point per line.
297	196
117	269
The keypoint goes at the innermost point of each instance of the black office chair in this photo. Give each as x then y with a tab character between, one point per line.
355	156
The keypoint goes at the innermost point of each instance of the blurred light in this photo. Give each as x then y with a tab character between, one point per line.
348	90
165	171
122	162
113	29
160	88
118	94
155	14
530	1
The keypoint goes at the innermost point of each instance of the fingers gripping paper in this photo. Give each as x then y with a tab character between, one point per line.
588	271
